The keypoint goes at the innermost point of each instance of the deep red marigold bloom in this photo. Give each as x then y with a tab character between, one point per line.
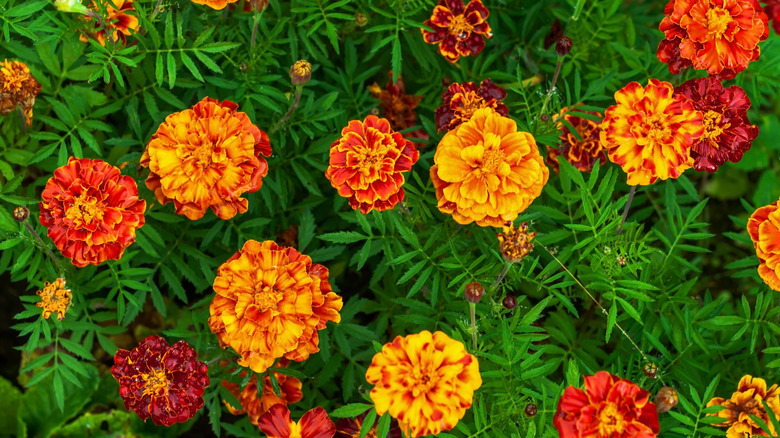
772	10
215	4
91	211
609	407
397	106
254	407
205	157
270	302
161	381
764	230
350	428
582	152
746	401
366	164
649	131
720	36
276	423
459	30
118	21
17	87
462	100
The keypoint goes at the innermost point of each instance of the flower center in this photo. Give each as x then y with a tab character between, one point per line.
491	160
156	382
657	130
84	210
713	128
423	381
460	27
610	420
203	154
471	102
718	20
267	298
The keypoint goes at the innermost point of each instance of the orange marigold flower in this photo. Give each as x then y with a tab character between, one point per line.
117	20
609	407
462	100
254	407
649	132
772	10
397	106
583	148
366	164
54	298
764	230
486	171
426	381
516	243
207	157
276	423
215	4
459	30
270	302
744	402
720	36
17	87
161	381
350	428
91	211
727	131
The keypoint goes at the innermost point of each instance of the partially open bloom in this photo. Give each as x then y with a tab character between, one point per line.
516	243
486	171
300	72
772	10
215	4
270	302
746	401
609	407
161	381
583	148
54	298
426	381
366	164
254	407
350	428
118	21
666	399
21	213
720	36
461	101
764	230
459	30
397	106
727	131
207	157
17	87
649	132
91	211
276	423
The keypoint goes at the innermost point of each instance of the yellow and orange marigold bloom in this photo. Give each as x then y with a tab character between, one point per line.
460	101
254	407
609	407
764	230
720	36
582	152
270	302
459	30
397	106
216	4
118	21
366	164
516	243
17	87
426	381
486	171
207	157
276	423
54	298
746	401
161	381
649	132
91	211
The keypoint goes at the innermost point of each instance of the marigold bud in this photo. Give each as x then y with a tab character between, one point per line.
530	409
361	19
563	46
21	213
509	302
666	399
545	117
650	370
474	292
621	260
258	5
300	72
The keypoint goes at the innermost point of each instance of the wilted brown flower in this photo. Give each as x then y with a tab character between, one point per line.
515	242
397	106
17	87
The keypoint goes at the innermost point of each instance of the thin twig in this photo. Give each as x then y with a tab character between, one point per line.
472	310
500	276
552	85
40	242
625	210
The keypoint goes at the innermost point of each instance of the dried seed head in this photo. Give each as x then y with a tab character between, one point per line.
21	213
509	302
666	399
530	409
474	292
563	46
300	72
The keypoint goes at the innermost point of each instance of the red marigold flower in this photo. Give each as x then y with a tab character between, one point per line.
254	407
91	211
17	87
350	428
205	157
367	162
461	101
727	131
161	381
276	423
764	230
397	106
609	407
458	29
720	36
582	152
117	21
772	10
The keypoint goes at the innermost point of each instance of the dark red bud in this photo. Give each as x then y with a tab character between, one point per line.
509	302
563	46
474	292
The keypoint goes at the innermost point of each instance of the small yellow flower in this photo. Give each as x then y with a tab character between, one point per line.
300	72
54	298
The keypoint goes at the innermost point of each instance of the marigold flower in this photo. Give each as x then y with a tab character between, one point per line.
118	21
91	211
426	381
276	423
462	100
366	164
397	106
350	428
161	381
582	152
254	407
54	298
772	10
215	4
727	131
515	243
747	400
270	302
300	72
609	407
764	230
649	132
486	171
17	87
207	157
459	30
719	36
